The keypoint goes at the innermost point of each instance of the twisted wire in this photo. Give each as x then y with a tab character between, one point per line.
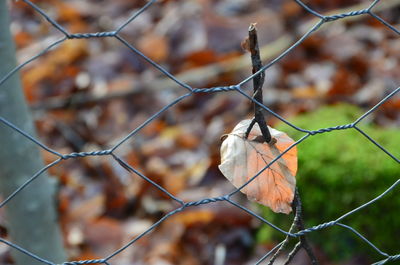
339	127
84	262
392	258
216	89
206	201
315	228
84	154
92	35
349	14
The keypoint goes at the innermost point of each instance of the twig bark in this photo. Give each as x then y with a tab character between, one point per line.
258	81
251	44
283	246
303	242
296	205
293	253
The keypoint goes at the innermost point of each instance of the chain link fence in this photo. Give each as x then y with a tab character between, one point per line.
237	88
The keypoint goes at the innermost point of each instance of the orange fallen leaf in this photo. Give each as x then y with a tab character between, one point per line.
22	39
194	217
242	159
154	46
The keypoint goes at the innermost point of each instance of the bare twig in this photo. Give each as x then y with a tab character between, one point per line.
293	253
298	220
251	44
284	244
303	243
258	82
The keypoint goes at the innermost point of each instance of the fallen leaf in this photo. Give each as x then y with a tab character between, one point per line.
154	46
242	159
22	39
194	217
102	234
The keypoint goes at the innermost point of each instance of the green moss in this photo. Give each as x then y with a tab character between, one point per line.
339	171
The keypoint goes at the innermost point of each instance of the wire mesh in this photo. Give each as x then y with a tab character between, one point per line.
237	88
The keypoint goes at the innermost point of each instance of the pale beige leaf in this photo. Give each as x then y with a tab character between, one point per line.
242	159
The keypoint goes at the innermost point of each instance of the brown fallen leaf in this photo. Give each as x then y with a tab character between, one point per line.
154	46
242	159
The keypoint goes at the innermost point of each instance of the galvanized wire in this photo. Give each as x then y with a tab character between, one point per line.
237	88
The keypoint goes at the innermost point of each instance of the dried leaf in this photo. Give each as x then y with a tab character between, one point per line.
242	159
154	46
102	234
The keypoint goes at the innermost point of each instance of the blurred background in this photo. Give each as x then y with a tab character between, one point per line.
87	94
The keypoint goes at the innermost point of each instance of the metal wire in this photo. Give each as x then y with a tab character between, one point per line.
229	88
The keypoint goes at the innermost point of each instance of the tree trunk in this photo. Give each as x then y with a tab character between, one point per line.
31	218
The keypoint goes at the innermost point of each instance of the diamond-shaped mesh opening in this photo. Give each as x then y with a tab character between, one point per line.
31	30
